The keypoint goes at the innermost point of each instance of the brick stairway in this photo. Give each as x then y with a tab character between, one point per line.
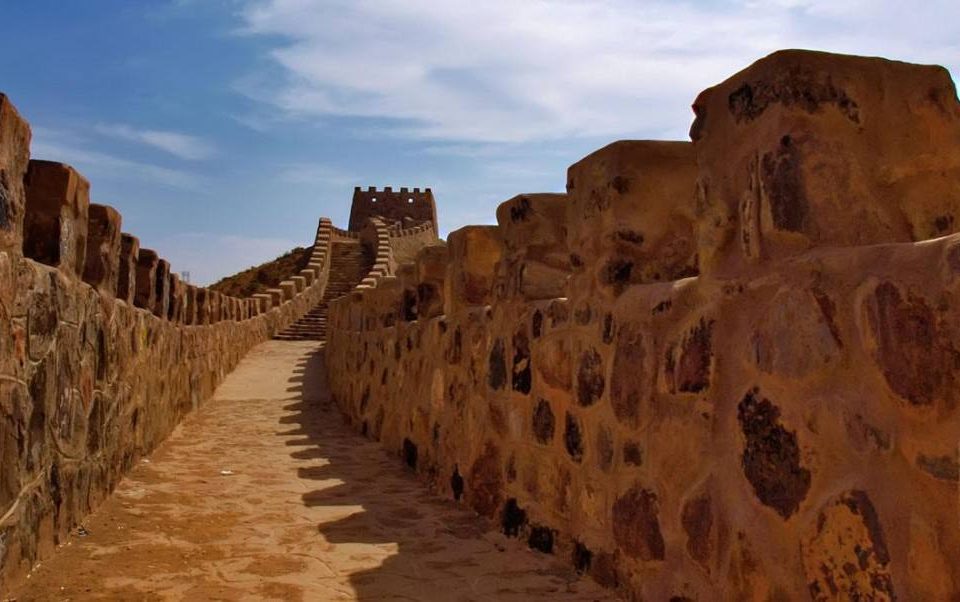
349	265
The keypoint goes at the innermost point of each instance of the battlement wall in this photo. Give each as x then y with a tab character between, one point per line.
724	368
408	207
103	349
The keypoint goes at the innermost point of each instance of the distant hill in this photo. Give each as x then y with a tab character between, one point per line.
266	275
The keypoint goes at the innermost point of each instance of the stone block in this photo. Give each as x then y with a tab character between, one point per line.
308	276
431	272
804	149
102	265
264	301
14	157
127	270
202	306
300	282
276	296
175	307
162	282
474	252
532	222
190	304
288	289
536	262
215	300
55	222
631	215
146	280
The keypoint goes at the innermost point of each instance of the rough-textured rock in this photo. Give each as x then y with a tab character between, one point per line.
845	553
473	254
14	157
102	266
782	426
89	383
536	263
807	148
55	222
145	296
631	215
127	271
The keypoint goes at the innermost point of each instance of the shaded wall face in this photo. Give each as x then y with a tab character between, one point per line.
407	207
14	155
55	221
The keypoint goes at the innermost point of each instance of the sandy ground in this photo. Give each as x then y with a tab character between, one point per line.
264	494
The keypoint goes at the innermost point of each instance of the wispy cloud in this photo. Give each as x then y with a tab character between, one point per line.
68	147
501	70
180	145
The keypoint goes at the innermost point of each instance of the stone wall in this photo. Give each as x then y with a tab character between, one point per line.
405	207
102	349
725	369
405	243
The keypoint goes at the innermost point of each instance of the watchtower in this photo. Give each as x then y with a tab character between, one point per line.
394	206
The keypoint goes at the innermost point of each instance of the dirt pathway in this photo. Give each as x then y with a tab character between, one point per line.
264	494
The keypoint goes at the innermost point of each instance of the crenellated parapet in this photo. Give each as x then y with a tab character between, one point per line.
718	369
103	349
405	207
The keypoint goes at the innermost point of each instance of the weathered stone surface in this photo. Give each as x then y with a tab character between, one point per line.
471	268
631	215
102	265
162	289
55	223
145	295
544	422
127	271
629	382
88	385
845	554
636	524
590	377
689	363
536	263
693	437
14	156
485	483
807	148
917	356
771	456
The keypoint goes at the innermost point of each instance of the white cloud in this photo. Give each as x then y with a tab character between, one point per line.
180	145
507	71
67	147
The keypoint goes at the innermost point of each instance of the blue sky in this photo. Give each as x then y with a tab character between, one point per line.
223	129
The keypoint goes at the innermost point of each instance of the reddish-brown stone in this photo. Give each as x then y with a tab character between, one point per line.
145	296
55	222
485	483
14	157
636	524
102	265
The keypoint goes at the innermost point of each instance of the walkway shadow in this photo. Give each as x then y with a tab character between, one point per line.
396	540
